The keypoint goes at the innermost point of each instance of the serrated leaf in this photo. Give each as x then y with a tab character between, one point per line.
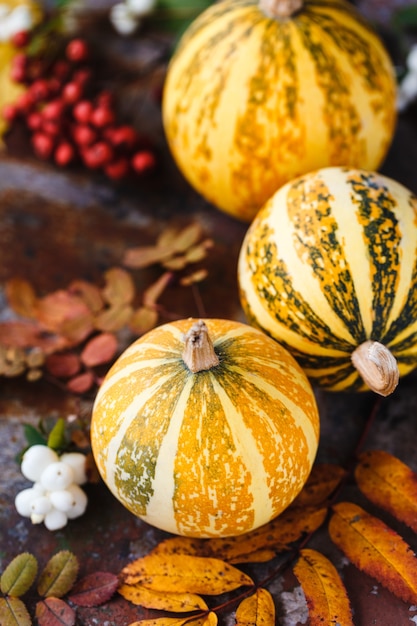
19	575
56	438
162	601
94	589
257	610
206	620
21	297
13	612
99	350
322	482
184	574
152	294
59	574
326	595
120	288
390	484
376	549
55	612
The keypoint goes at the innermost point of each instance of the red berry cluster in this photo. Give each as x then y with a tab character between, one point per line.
67	122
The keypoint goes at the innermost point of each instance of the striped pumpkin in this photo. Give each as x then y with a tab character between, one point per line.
330	265
253	100
205	452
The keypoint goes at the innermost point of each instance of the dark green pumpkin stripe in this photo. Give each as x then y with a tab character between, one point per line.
317	244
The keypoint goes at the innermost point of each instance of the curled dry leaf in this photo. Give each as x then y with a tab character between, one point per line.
13	612
257	610
59	574
99	350
19	575
164	601
119	288
326	596
183	573
55	612
94	589
390	484
376	549
21	297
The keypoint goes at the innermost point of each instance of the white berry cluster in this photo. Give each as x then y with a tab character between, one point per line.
126	16
407	90
14	20
56	495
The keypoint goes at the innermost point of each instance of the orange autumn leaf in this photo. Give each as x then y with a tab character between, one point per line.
183	573
89	293
60	307
376	549
390	484
210	619
323	480
163	601
21	297
113	318
326	596
257	610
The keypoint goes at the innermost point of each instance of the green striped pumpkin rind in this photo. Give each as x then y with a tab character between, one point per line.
329	262
251	102
216	453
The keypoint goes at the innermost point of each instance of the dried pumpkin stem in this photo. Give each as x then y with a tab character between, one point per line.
199	352
280	9
377	366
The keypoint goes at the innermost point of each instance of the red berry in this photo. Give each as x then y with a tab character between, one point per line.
104	99
34	120
83	134
97	155
82	111
40	89
118	169
143	161
82	76
18	73
10	112
61	69
25	102
21	39
124	136
51	127
53	110
102	116
54	85
77	50
43	145
64	153
20	60
72	92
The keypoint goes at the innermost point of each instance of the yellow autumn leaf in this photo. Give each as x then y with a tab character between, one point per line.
182	573
390	484
210	619
257	610
376	549
163	601
326	596
322	482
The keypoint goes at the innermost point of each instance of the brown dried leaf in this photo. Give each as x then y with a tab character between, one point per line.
99	350
376	549
141	257
322	482
166	239
143	320
21	297
163	601
113	318
184	574
94	589
199	252
13	612
390	484
257	610
210	619
175	263
152	294
54	612
187	237
326	596
81	383
60	307
63	364
120	288
89	293
194	277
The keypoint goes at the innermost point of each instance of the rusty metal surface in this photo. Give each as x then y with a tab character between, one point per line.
56	226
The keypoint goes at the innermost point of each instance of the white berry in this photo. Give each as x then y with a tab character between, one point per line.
61	499
123	20
141	7
54	520
23	501
41	505
79	502
57	476
35	460
77	461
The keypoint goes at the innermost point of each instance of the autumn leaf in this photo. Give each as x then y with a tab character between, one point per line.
89	293
55	612
152	294
81	383
59	307
326	596
59	574
187	237
195	277
94	589
376	549
257	610
163	601
27	334
210	619
13	612
63	365
321	484
141	257
21	297
19	575
100	349
143	320
119	289
113	318
390	484
183	573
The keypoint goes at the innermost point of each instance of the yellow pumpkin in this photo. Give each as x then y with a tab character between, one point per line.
205	428
329	269
255	97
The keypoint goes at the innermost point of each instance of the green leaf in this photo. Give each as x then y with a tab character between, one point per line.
33	435
59	574
19	575
13	612
56	439
406	16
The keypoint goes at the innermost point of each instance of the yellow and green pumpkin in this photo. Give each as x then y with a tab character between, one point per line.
205	428
329	269
259	92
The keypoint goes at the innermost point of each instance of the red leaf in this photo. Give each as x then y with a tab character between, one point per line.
63	365
81	383
101	349
94	589
54	612
22	334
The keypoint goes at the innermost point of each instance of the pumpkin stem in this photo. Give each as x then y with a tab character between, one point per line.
377	366
199	352
280	9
